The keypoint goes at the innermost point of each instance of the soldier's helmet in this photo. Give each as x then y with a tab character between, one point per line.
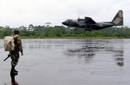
16	32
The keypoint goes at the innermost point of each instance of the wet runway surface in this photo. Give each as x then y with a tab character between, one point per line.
70	62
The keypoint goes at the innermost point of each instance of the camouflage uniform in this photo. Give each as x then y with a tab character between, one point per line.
17	48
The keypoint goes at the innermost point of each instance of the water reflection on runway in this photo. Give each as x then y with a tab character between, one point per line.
70	62
90	48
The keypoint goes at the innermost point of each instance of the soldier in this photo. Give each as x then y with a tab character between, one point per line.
15	53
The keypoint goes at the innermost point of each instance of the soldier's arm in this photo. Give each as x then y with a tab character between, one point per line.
21	47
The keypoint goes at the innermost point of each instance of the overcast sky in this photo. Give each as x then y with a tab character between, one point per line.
24	12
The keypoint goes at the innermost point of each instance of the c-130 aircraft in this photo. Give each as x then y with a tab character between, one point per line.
88	24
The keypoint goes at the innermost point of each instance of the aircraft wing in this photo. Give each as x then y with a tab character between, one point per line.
89	20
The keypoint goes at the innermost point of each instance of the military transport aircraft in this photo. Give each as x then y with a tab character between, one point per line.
88	24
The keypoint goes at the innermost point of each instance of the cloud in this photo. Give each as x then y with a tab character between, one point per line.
37	12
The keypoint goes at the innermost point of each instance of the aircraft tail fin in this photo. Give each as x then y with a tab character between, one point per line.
118	19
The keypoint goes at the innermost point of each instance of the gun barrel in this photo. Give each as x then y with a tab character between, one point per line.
6	58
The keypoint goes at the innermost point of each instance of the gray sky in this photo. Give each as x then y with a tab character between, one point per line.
24	12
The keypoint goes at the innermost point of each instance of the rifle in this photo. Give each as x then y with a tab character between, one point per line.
7	57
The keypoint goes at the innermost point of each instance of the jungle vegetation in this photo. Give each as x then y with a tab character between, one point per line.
39	31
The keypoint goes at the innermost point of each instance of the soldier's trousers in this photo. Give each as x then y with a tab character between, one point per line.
14	57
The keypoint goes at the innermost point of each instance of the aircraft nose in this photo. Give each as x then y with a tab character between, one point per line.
63	23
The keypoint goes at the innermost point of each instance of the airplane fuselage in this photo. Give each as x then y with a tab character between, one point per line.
88	26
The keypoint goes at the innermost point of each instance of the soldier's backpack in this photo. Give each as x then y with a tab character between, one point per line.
8	43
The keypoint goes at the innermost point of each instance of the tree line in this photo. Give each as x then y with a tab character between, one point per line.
65	32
